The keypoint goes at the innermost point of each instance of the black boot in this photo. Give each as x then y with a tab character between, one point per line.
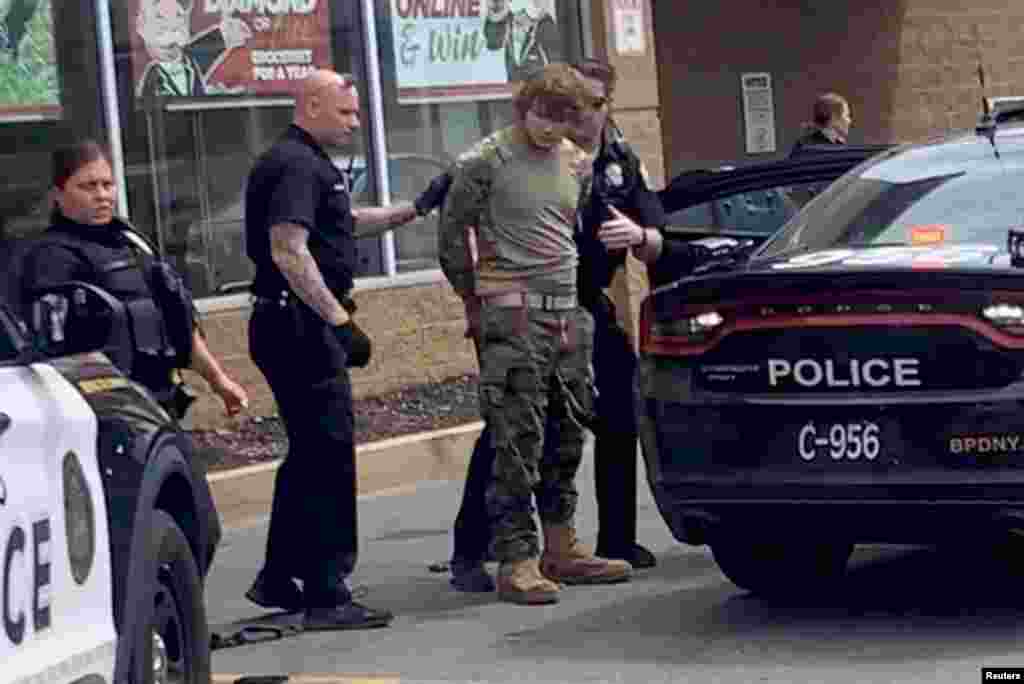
638	556
471	577
281	593
349	615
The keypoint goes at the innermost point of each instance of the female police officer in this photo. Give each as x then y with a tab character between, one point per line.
88	243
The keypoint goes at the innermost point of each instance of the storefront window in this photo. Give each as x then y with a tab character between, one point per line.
205	87
48	98
448	71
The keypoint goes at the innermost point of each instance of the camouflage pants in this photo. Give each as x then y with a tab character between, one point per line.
535	367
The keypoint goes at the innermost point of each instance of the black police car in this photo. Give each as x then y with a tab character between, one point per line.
853	377
107	525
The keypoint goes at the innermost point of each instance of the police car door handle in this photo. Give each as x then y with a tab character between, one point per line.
5	422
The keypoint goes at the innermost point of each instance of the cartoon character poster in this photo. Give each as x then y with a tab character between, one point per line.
195	48
29	87
470	49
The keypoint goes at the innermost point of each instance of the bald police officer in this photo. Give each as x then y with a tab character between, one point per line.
300	233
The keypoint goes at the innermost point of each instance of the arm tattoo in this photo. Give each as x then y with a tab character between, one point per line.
290	252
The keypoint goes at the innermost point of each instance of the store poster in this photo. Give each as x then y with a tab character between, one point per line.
628	20
29	88
196	48
459	50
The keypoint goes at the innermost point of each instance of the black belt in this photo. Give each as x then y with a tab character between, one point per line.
285	298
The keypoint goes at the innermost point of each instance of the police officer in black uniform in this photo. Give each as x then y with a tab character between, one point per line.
619	183
300	233
620	195
86	242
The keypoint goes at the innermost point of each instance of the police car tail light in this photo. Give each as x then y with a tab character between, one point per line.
79	519
1007	317
692	329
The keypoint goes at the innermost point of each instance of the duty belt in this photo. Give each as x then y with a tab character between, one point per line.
532	300
285	298
281	300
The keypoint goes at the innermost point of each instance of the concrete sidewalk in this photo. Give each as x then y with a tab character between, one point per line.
244	494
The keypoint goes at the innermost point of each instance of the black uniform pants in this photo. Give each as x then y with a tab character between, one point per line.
312	534
615	458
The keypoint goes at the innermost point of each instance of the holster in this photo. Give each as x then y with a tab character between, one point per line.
176	400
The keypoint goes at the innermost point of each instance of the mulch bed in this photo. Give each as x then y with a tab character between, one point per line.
421	408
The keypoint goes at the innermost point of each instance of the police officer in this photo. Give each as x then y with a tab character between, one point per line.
300	233
620	201
88	243
831	120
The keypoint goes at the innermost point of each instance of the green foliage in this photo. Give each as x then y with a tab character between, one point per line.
32	80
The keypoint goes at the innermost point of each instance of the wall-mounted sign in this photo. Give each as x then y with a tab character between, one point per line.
29	89
758	112
470	49
193	48
628	20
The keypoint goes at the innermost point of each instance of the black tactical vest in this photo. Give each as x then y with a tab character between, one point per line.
122	263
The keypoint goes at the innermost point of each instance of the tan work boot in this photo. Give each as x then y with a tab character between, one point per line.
566	560
522	582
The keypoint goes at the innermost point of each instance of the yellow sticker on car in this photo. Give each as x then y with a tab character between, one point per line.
94	385
933	234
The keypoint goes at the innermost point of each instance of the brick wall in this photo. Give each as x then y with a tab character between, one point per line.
941	45
850	47
417	334
908	67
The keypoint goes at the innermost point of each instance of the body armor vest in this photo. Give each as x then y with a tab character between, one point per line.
160	309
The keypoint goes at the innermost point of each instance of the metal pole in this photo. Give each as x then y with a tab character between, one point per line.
111	107
586	18
379	149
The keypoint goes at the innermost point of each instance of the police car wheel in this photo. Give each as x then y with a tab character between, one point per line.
781	569
175	646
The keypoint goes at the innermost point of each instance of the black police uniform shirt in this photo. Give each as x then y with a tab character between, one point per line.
619	181
296	182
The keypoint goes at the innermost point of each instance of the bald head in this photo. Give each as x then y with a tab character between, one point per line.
327	107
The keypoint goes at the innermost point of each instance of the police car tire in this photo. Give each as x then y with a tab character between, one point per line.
781	569
176	601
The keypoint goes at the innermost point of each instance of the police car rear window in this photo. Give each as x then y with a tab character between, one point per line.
971	206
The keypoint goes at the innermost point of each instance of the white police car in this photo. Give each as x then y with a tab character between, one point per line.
107	526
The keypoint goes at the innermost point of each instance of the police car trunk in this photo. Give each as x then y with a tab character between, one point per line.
858	378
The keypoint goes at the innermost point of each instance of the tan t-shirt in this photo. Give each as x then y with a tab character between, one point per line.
523	202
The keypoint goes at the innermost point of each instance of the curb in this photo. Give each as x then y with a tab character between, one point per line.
244	494
305	679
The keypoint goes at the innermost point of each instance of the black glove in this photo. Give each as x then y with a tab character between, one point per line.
355	342
434	195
